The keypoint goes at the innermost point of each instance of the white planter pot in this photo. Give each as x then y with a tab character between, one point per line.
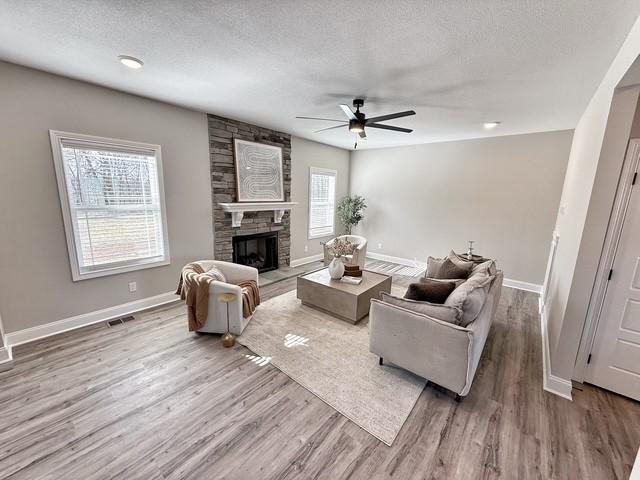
336	268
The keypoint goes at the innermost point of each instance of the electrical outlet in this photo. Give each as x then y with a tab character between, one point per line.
379	246
306	248
132	287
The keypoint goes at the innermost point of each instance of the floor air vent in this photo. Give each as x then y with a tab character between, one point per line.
119	321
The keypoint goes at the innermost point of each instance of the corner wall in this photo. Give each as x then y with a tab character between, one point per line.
502	192
35	277
580	222
306	154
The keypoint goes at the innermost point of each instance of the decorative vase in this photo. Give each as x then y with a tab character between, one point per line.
336	268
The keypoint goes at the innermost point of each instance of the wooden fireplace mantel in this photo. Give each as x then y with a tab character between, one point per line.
237	210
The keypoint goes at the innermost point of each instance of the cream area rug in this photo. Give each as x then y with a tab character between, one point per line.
331	359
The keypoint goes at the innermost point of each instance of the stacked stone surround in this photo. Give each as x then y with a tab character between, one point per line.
222	132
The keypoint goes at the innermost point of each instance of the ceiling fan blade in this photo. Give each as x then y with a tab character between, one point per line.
391	116
363	134
325	119
347	111
329	128
389	127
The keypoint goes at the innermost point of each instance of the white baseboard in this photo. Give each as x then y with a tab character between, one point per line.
552	384
41	331
6	359
302	261
529	287
398	260
507	282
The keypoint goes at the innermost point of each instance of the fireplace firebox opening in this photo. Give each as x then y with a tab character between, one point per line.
259	250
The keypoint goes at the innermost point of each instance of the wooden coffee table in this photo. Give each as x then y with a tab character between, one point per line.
342	300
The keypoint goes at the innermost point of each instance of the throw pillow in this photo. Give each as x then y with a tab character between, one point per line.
456	281
429	290
470	297
215	274
433	267
440	312
451	270
480	279
486	268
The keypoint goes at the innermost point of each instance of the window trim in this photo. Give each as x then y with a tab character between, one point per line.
322	171
57	138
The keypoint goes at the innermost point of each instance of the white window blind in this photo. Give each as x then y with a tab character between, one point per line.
322	202
113	204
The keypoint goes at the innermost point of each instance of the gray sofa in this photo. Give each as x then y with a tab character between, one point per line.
440	351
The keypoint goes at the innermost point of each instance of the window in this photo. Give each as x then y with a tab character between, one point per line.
112	204
322	202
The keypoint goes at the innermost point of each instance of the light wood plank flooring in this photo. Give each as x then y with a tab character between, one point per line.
149	400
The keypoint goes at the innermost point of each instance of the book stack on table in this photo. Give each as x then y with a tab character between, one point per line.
352	271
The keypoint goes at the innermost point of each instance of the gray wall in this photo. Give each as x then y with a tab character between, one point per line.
35	277
305	154
601	199
581	237
595	162
502	192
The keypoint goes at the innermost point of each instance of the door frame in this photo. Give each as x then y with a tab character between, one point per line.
607	257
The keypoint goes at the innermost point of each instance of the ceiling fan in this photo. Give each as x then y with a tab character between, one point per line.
357	121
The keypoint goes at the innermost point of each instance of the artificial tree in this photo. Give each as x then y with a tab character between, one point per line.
351	211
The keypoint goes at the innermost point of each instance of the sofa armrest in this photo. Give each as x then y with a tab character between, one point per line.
436	350
235	272
216	288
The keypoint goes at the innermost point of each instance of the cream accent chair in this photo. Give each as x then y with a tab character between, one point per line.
358	256
217	317
442	352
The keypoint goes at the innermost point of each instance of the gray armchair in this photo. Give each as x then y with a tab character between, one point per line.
358	256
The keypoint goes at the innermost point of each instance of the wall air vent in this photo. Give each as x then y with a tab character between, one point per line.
120	321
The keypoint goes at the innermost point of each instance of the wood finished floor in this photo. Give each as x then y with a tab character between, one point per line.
149	400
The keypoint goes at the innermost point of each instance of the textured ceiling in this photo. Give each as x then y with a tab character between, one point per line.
532	64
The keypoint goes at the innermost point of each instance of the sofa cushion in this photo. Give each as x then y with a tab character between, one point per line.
485	268
216	274
440	312
430	290
453	270
456	281
433	266
470	297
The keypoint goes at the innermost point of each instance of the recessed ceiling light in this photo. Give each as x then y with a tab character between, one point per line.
131	62
490	125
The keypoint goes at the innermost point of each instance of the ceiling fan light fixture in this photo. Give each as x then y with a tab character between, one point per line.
356	126
357	121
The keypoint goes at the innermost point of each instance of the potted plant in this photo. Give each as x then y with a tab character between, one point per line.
351	211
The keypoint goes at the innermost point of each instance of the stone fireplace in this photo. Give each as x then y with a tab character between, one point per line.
222	132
